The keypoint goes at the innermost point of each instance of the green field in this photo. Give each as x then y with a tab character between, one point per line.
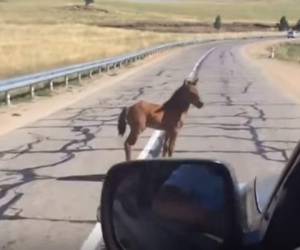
289	52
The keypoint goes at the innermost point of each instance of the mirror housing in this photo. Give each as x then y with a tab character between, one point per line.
149	203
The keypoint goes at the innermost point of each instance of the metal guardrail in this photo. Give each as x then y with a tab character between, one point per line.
48	77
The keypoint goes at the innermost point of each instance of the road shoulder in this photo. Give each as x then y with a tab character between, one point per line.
285	75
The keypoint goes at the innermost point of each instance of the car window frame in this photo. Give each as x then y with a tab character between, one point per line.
292	165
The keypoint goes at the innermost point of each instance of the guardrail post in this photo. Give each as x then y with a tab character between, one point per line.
66	81
79	77
7	98
32	91
99	70
91	74
51	86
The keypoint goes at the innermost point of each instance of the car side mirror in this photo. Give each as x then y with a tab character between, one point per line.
169	205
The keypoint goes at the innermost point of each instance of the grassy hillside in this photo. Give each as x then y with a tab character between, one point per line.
200	10
60	11
42	34
32	48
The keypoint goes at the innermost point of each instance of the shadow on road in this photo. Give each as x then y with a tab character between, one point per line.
95	177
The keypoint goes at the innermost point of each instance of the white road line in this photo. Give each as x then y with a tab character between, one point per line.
151	144
195	70
95	239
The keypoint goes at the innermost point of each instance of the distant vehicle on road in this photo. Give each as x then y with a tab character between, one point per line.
291	34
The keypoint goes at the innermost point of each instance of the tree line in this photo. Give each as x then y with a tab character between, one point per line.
282	25
88	2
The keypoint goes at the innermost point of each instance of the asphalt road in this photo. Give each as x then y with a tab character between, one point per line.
246	121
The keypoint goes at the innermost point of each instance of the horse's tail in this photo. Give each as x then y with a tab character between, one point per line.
122	122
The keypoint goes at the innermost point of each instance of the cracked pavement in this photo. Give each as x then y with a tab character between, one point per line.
246	122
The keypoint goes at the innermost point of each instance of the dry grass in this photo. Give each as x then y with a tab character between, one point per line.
31	48
37	35
58	11
288	52
206	10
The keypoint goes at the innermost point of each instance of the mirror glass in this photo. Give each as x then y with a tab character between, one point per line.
171	205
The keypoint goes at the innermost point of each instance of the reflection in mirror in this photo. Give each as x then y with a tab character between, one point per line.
176	206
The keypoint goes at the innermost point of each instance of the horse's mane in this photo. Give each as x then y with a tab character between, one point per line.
176	101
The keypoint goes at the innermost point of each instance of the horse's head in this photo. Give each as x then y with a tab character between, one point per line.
191	93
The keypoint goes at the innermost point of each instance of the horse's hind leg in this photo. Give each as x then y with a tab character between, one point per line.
130	141
172	140
166	144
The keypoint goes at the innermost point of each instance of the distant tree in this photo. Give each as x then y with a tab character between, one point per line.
297	26
88	2
218	23
283	24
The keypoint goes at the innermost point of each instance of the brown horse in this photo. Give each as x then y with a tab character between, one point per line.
167	117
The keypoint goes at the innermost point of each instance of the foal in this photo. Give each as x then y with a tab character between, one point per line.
167	117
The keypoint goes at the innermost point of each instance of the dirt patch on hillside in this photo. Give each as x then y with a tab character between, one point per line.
189	27
85	8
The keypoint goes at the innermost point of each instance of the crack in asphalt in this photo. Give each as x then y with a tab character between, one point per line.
228	100
261	149
85	124
247	87
70	148
71	221
160	72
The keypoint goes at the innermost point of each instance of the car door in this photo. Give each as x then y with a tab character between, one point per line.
280	225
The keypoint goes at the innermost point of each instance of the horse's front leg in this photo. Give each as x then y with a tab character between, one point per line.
130	141
166	144
172	141
127	151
